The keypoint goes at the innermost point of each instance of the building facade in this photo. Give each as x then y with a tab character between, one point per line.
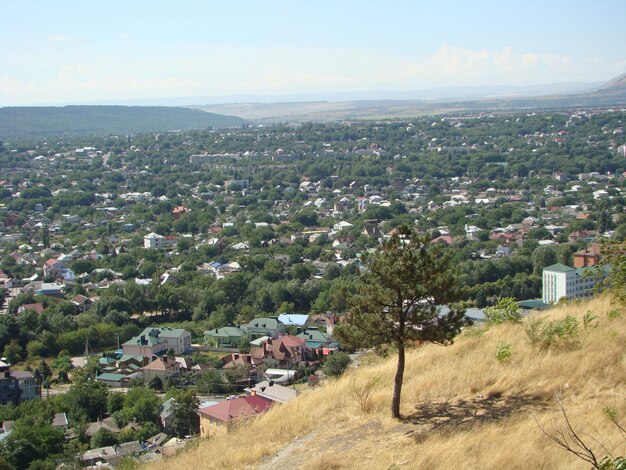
563	281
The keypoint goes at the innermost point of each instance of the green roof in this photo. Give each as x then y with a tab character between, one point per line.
224	332
111	377
533	304
558	268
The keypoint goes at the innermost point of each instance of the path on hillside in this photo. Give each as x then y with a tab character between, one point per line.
325	449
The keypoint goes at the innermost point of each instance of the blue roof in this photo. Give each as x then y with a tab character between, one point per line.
293	319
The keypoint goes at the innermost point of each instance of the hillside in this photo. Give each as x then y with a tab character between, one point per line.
29	122
464	408
612	93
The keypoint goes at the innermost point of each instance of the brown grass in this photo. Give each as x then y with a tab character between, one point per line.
463	408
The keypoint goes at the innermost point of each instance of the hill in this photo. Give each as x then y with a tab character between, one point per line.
464	408
29	122
612	93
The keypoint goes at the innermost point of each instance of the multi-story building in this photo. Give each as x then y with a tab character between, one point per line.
29	386
155	241
563	281
9	385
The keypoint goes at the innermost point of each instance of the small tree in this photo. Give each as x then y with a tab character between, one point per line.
505	311
186	420
336	364
156	383
400	299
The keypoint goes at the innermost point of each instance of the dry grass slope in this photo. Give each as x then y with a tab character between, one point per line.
465	409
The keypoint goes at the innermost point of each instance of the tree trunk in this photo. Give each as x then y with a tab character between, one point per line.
397	385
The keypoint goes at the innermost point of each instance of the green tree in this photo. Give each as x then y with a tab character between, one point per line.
102	438
505	311
186	420
13	352
399	301
336	364
32	440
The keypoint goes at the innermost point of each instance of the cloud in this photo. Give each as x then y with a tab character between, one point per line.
75	75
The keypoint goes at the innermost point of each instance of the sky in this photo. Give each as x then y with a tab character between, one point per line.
67	52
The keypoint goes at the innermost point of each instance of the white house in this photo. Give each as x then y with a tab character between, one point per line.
155	241
343	225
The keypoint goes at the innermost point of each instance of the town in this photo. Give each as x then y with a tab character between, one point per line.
158	288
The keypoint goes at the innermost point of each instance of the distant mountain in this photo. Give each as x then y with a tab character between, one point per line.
612	93
33	122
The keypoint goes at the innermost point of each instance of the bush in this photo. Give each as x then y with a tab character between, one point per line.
504	353
336	364
505	311
556	334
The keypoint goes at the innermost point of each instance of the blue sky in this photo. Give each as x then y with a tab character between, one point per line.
67	52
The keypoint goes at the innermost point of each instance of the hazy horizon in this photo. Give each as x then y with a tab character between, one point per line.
63	53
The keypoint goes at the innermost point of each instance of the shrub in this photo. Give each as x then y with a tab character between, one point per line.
556	334
505	311
362	393
336	364
504	353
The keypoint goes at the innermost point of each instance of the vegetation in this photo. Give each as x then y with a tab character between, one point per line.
458	402
29	122
400	299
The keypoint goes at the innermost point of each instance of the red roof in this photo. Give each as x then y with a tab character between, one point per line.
36	307
236	408
52	262
292	341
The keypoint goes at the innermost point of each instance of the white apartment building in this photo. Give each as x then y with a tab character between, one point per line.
562	281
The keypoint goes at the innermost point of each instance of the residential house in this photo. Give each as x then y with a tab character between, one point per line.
284	352
9	385
588	256
37	307
264	326
146	344
225	337
29	386
154	241
218	419
318	343
161	367
177	339
272	391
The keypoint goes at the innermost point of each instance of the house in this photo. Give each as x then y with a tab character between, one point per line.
272	391
318	343
29	386
588	256
227	336
113	380
218	419
563	281
293	319
51	289
343	225
176	339
81	303
178	211
284	352
154	241
166	417
161	367
147	343
111	454
269	326
37	307
9	385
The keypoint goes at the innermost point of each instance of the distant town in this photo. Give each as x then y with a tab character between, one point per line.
158	288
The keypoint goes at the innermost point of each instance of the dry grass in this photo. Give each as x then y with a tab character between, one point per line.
464	408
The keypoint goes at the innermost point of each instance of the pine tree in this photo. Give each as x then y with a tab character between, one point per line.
398	303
